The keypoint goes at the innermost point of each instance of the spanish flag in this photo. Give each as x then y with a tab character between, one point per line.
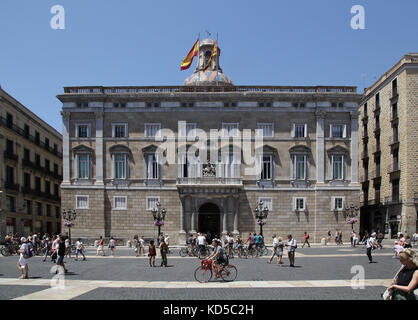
187	62
214	53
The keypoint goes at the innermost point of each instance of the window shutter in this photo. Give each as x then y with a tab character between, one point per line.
89	166
332	203
292	167
182	128
305	165
127	166
330	130
113	166
306	130
77	172
330	168
293	130
258	163
345	131
344	168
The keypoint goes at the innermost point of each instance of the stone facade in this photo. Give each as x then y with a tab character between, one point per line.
325	118
388	136
25	203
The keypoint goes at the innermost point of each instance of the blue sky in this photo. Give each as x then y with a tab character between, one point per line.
135	42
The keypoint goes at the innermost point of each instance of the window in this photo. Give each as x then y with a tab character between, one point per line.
337	203
47	187
9	120
83	166
120	203
48	210
152	202
82	130
57	212
267	202
365	110
299	167
394	87
119	130
26	130
229	166
152	130
267	167
338	131
10	175
38	208
37	160
37	137
56	190
187	130
377	101
120	165
26	180
394	111
47	165
28	206
9	146
267	129
47	142
299	204
55	169
10	204
26	154
300	130
119	105
230	129
152	166
337	167
38	184
189	167
82	202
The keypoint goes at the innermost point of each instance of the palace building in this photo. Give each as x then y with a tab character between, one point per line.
305	170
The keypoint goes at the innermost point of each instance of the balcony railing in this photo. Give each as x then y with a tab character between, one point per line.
31	138
11	156
11	186
393	200
228	88
393	167
215	181
39	168
40	194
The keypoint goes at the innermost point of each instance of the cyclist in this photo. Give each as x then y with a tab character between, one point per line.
257	241
239	244
260	240
250	241
218	256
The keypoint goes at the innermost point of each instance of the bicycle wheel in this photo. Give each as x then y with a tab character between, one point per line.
253	253
195	251
229	273
183	252
4	252
202	275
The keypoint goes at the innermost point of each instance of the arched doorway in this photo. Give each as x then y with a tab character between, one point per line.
209	219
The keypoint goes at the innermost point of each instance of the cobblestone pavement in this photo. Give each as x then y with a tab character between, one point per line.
320	273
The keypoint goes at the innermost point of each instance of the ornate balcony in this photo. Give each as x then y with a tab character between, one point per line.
11	156
209	181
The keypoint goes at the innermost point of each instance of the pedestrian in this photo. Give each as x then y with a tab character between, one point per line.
100	246
79	249
380	237
167	242
355	239
398	249
163	252
406	280
256	240
250	241
152	252
201	242
306	238
280	248
112	244
61	253
142	246
136	245
239	245
329	236
370	245
54	248
407	243
291	247
161	237
25	251
275	245
67	248
47	245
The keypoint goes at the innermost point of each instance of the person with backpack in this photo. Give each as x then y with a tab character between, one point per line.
25	251
61	253
306	238
163	250
291	248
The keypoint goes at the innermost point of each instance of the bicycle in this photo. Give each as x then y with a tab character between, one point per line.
188	251
10	249
202	254
204	273
253	252
262	250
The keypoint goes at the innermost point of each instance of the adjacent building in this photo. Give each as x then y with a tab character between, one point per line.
389	150
305	170
30	171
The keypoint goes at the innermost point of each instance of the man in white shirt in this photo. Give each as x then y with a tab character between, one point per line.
201	242
22	264
79	249
291	247
370	246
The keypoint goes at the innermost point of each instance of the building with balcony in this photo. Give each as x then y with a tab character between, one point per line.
388	125
196	149
31	171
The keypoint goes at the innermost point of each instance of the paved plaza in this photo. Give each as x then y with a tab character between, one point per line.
320	273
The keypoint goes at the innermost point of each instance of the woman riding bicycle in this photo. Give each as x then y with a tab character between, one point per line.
218	256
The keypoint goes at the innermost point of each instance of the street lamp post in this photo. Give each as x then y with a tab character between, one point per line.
261	212
69	216
352	213
159	215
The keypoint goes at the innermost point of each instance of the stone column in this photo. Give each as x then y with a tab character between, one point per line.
99	147
235	212
182	233
66	147
354	147
193	216
224	217
320	146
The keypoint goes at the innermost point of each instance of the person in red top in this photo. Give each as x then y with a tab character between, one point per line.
306	237
152	252
100	246
250	241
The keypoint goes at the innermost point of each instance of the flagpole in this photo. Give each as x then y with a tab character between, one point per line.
198	57
217	62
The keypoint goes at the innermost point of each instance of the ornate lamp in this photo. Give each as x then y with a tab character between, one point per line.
352	213
159	215
261	212
69	216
